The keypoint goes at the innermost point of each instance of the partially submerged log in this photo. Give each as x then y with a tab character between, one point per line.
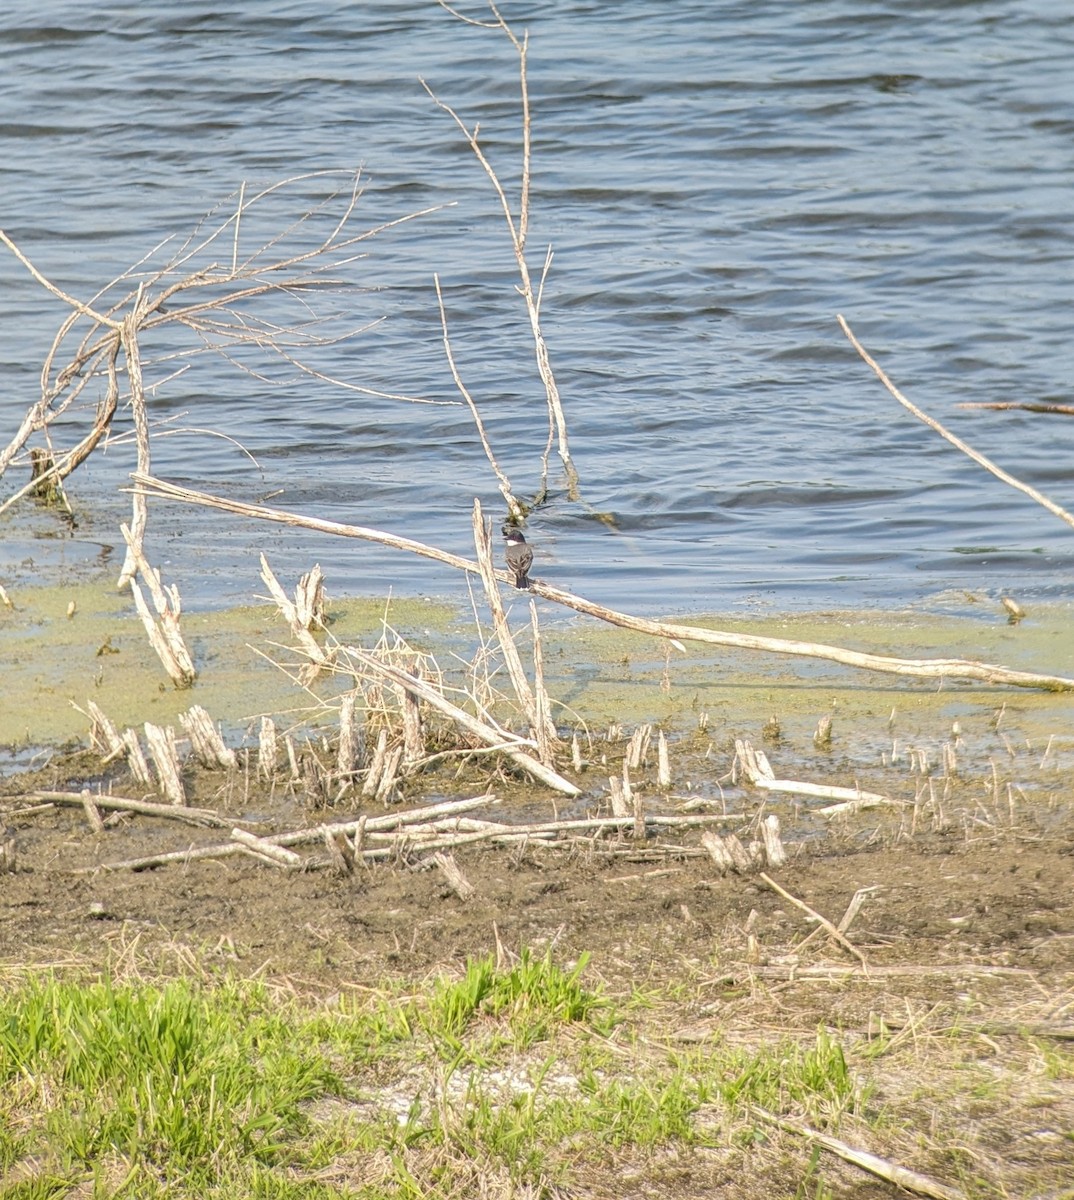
927	668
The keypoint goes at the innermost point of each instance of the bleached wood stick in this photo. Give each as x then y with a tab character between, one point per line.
925	668
164	631
277	854
347	751
727	853
267	749
340	851
376	766
174	812
297	614
161	743
932	423
827	791
773	844
139	768
911	1181
663	764
758	771
832	931
104	737
209	747
461	886
90	809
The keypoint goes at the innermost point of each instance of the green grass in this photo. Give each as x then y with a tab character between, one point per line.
175	1076
523	1074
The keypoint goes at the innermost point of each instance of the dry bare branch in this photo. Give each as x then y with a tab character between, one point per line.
205	295
902	1177
932	423
928	668
513	505
518	228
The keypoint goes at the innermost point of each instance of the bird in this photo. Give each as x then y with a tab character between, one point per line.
519	555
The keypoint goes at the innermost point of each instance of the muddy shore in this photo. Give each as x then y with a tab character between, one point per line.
967	909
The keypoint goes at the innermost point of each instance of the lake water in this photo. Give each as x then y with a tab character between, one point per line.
717	180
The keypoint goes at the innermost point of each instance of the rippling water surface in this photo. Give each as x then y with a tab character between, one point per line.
718	180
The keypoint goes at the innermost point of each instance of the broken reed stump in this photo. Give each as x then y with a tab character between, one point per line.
347	752
104	737
729	854
376	765
304	614
268	750
205	740
413	737
136	763
451	871
165	754
46	487
663	763
8	850
341	851
163	631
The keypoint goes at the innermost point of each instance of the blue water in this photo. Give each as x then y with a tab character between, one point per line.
717	181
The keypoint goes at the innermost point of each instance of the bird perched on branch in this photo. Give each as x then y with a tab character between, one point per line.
519	555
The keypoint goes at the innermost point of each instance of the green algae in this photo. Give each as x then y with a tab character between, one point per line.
64	645
53	661
611	675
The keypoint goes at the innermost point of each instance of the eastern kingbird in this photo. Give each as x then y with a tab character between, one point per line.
519	555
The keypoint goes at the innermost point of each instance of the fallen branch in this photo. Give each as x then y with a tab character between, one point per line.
758	771
932	423
829	928
1063	410
301	836
279	856
175	812
911	1181
927	668
379	829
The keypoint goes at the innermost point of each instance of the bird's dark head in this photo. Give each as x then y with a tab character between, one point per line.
513	535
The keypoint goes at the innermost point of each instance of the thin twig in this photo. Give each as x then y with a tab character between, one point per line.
932	423
516	509
518	230
832	931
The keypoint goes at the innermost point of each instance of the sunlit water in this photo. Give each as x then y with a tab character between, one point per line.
717	180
